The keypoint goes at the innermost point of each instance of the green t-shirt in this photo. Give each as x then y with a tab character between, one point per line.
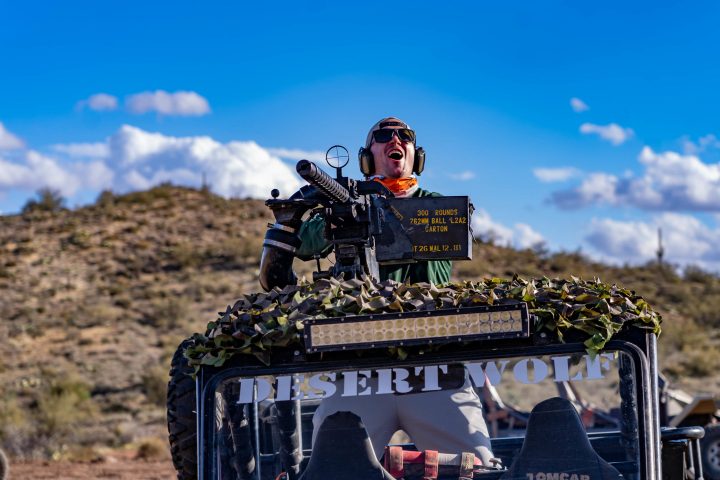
312	234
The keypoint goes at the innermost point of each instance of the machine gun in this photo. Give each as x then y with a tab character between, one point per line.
364	223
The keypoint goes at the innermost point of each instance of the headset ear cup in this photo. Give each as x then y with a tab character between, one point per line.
419	163
367	162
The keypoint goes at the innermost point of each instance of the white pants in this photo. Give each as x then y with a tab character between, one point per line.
449	421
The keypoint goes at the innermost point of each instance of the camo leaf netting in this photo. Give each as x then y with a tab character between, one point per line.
260	322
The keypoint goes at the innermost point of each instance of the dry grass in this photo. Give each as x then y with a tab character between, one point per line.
153	449
154	384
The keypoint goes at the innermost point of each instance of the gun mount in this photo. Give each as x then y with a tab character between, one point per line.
365	226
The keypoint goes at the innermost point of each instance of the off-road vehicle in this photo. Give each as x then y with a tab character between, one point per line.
263	368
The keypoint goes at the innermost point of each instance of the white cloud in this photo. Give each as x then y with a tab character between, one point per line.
241	169
578	105
484	226
14	175
99	102
96	175
91	150
179	103
595	188
526	237
50	173
623	241
102	101
8	141
686	240
131	145
462	176
612	132
703	143
520	236
670	181
549	175
296	154
141	159
138	181
673	181
37	171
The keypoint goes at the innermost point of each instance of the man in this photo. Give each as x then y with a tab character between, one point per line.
450	420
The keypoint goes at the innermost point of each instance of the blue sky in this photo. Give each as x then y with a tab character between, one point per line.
227	88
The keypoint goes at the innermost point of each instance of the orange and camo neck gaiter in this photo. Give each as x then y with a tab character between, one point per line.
401	187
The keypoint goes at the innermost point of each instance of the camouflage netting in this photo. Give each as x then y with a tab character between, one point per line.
261	322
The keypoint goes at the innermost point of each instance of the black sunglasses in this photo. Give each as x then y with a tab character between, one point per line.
384	135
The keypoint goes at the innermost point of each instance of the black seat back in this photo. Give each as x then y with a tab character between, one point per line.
556	447
342	451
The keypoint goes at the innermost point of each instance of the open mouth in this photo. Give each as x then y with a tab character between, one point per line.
396	155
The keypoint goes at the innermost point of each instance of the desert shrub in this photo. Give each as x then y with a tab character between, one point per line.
167	313
164	191
141	262
701	359
156	289
100	313
11	415
80	453
123	300
79	238
672	294
48	200
491	260
153	449
200	286
687	349
475	268
52	418
17	432
216	202
239	250
697	301
62	402
666	271
227	253
471	269
562	262
116	288
154	384
105	199
142	244
541	249
186	255
5	272
27	323
257	212
694	273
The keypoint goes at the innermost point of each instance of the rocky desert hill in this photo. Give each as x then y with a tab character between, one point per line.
94	301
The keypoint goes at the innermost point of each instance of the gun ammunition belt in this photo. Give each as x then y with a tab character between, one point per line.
280	245
282	227
282	239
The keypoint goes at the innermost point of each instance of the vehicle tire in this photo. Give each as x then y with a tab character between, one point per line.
3	466
710	452
182	416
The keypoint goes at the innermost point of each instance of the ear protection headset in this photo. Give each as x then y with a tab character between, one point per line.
367	161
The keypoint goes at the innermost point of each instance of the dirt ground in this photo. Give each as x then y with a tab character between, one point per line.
118	469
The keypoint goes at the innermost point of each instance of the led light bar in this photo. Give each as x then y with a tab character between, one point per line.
416	328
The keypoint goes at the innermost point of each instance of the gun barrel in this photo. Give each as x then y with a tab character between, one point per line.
314	176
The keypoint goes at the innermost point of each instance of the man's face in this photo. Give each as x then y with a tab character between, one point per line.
395	158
